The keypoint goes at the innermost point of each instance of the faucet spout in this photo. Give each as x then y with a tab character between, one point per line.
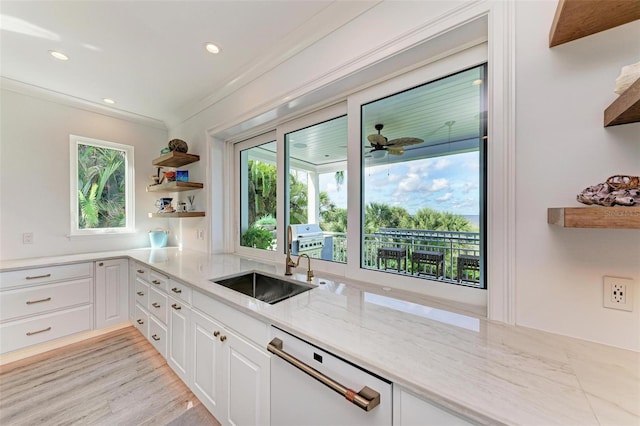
309	271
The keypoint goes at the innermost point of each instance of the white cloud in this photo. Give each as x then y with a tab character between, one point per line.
438	185
445	197
468	186
412	182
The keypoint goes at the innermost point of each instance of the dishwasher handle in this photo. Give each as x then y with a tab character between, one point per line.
367	398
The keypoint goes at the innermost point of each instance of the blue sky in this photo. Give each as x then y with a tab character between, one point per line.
448	184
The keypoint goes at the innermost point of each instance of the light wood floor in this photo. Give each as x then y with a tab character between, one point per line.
115	379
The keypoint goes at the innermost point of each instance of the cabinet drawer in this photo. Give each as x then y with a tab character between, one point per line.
142	272
158	281
158	305
142	293
19	334
23	302
158	336
253	329
141	320
45	275
180	291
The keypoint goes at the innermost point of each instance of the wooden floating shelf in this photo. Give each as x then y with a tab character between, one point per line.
175	159
595	217
625	109
177	214
175	187
575	19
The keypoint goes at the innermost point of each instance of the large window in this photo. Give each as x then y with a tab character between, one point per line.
101	187
423	180
395	186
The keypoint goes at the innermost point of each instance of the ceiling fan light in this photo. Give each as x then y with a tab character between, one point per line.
379	153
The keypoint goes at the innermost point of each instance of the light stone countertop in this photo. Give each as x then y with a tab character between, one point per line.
488	371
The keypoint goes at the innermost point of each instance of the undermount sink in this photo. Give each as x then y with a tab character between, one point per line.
263	287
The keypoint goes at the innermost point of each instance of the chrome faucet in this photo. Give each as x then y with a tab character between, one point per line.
289	263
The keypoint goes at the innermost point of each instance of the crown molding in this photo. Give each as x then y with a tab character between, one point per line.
71	101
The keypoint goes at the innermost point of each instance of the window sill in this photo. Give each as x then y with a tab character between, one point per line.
101	235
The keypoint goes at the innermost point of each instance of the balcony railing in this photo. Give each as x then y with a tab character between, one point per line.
450	244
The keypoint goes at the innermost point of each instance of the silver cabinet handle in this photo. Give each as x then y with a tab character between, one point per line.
101	264
140	271
31	302
176	306
155	337
140	293
176	290
35	277
31	333
140	321
156	282
367	398
155	305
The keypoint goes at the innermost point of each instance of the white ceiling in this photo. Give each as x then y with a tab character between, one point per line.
149	56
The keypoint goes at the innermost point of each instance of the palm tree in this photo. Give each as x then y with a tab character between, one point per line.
101	187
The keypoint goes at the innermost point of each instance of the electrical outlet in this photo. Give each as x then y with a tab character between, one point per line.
618	293
200	234
27	238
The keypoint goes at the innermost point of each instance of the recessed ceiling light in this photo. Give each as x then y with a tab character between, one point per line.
300	145
476	82
109	101
212	48
59	55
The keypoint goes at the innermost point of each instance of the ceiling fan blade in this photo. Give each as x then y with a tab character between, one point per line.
404	142
377	139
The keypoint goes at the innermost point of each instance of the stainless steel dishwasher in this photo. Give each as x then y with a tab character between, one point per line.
310	386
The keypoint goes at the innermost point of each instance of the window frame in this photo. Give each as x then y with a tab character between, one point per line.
75	231
468	58
238	147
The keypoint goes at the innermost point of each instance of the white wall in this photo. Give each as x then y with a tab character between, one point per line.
561	147
34	175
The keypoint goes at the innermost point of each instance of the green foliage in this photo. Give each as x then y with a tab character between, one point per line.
257	237
266	221
101	187
261	189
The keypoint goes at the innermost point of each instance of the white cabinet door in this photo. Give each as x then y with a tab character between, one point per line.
206	382
112	292
409	410
246	370
179	338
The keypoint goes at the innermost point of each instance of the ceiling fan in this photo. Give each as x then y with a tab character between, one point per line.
380	145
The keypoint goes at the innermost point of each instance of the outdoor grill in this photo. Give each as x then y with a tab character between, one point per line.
307	238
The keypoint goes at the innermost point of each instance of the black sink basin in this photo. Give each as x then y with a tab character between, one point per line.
263	287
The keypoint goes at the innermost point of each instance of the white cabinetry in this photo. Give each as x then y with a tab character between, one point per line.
112	296
151	306
42	304
410	410
179	338
230	373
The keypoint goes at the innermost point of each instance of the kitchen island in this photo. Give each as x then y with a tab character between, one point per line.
486	371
